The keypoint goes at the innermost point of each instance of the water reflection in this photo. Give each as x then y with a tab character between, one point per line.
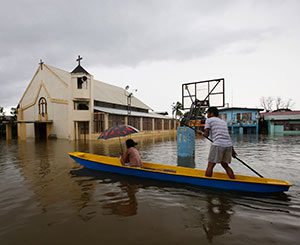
122	202
118	195
43	166
216	220
87	187
119	199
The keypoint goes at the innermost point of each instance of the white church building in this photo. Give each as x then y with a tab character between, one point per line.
73	105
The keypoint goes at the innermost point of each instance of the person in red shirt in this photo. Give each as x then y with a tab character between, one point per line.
131	157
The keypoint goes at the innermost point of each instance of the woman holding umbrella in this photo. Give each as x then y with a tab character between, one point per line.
131	157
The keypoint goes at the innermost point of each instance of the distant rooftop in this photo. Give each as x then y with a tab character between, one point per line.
240	108
279	113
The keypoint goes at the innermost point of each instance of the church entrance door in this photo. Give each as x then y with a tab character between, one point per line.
40	130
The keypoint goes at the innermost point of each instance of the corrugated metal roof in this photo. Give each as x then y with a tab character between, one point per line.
103	91
133	113
112	94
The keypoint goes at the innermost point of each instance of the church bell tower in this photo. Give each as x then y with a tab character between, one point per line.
82	101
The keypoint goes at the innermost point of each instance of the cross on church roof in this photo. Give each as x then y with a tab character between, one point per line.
41	64
79	68
79	59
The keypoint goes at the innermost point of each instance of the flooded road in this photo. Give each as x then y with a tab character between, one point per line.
47	198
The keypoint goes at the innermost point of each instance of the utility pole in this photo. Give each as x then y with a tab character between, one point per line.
129	96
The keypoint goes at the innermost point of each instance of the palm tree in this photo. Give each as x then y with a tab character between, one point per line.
13	112
176	109
2	113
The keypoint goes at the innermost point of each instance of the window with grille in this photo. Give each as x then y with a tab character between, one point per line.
42	106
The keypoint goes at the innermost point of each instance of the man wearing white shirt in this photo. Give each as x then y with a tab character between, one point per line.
221	149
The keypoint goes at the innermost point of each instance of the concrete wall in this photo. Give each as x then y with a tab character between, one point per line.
60	121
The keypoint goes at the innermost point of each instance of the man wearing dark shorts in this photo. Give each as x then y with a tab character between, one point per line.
221	149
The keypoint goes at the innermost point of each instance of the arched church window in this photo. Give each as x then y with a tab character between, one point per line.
42	106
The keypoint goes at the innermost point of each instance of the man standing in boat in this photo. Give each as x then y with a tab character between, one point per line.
221	149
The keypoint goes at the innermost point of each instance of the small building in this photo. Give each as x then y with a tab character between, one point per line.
240	119
74	105
8	127
282	122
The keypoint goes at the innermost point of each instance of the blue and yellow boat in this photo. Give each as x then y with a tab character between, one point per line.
182	175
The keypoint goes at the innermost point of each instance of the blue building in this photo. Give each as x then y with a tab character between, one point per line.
241	120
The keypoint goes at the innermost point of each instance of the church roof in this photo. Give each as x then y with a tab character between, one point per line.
133	113
64	75
103	91
116	95
79	69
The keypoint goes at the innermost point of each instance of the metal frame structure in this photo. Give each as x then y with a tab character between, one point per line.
200	102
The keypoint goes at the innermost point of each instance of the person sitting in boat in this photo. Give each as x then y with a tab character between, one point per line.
132	156
221	149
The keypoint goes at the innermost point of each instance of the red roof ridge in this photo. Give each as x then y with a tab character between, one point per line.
282	113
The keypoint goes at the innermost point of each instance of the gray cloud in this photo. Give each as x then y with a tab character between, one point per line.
113	33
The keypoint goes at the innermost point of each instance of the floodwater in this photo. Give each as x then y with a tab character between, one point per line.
47	198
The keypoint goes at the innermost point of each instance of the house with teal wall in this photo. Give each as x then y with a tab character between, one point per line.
240	119
282	122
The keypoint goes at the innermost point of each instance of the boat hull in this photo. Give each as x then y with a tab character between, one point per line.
171	176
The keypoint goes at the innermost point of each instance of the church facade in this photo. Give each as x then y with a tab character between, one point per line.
73	105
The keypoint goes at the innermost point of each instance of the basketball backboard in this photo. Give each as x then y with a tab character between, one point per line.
203	94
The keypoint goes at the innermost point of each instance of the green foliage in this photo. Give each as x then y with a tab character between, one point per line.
176	109
13	112
2	114
13	122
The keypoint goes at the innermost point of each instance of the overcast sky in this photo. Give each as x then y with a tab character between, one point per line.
155	46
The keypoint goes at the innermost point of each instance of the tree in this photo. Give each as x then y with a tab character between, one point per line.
176	109
279	103
289	104
13	112
2	113
267	103
2	127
